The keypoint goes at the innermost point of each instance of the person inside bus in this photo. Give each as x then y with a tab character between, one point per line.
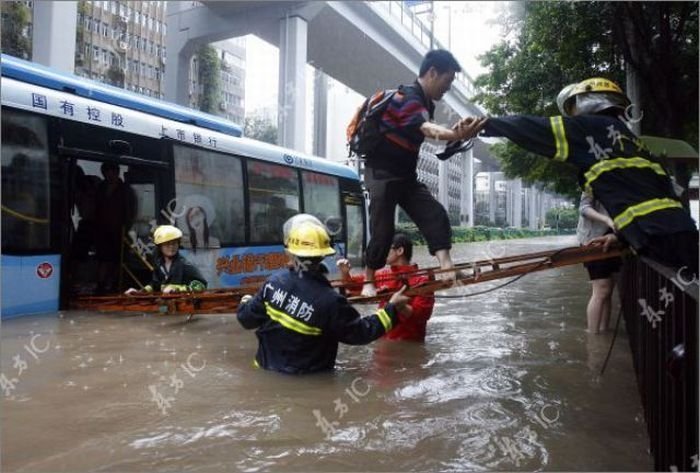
171	272
300	319
414	316
115	212
86	187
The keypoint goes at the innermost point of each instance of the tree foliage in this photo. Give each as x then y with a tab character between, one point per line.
557	43
261	129
210	79
15	19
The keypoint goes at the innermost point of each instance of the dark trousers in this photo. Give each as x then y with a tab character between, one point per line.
415	199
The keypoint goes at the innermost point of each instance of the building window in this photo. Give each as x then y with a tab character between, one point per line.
105	30
95	53
88	23
105	56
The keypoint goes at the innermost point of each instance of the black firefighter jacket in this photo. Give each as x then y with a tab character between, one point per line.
613	164
300	320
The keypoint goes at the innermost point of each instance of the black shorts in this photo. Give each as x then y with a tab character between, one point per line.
603	269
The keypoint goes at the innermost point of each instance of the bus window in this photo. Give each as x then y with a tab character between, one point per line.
355	233
25	182
274	197
322	200
209	206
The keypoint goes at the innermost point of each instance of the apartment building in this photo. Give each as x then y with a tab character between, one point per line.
231	55
122	43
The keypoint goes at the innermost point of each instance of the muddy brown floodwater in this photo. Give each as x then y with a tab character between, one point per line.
505	381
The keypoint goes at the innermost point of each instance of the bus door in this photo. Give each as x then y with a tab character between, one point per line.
113	201
355	228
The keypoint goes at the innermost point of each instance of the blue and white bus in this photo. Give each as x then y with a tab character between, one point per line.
228	194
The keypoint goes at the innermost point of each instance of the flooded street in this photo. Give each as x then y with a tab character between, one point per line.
506	380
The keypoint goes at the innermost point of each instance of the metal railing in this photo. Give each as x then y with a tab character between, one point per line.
661	314
397	10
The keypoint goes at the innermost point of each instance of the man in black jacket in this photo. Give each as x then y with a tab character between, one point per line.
614	165
300	318
390	170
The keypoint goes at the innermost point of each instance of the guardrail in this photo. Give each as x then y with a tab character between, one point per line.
397	10
661	314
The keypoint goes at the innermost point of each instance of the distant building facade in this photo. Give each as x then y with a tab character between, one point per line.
123	44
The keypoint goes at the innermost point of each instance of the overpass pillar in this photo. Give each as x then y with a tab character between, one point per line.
53	37
467	194
180	49
533	217
320	113
292	84
517	203
492	198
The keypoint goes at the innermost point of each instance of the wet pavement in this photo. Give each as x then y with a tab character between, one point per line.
506	380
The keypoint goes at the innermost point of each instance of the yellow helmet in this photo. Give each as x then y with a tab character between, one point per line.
308	239
296	220
166	233
594	95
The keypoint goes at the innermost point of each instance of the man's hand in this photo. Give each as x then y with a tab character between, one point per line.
344	267
398	298
246	298
605	240
469	127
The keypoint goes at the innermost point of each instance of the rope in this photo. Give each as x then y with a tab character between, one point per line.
612	342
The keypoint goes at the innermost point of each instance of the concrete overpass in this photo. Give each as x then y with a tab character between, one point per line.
365	45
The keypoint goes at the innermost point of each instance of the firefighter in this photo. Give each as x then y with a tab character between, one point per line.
172	272
300	319
613	165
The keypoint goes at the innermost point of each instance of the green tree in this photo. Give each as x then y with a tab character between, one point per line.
261	129
557	43
562	219
15	19
210	78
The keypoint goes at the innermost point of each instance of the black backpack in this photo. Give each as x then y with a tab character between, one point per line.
363	133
